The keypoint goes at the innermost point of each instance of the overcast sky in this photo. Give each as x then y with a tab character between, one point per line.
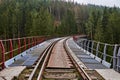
109	3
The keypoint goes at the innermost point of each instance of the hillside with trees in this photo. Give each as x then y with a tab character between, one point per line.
21	18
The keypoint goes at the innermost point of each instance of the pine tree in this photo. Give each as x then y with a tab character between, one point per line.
90	26
113	28
99	31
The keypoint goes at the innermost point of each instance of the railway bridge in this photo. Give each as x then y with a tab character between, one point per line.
64	58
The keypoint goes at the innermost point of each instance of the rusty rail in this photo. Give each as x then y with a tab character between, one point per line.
41	65
43	59
79	68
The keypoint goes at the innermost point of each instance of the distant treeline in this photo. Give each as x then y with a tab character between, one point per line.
103	24
20	18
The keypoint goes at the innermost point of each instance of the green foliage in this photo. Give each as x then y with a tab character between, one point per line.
103	25
68	25
24	18
90	26
19	18
114	27
99	31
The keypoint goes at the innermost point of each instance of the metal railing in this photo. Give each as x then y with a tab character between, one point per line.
12	47
107	53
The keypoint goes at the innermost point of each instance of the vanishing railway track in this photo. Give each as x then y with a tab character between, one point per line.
55	63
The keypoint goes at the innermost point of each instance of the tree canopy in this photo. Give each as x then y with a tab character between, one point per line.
21	18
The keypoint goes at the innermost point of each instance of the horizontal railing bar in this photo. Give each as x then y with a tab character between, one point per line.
21	44
23	38
101	42
17	48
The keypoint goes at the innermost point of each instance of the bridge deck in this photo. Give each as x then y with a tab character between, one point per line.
88	60
32	56
59	58
29	59
26	60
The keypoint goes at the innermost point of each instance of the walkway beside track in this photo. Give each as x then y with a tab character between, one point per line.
89	62
23	60
32	55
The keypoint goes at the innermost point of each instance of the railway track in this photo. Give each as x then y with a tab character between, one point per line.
55	63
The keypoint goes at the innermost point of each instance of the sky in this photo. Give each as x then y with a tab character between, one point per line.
109	3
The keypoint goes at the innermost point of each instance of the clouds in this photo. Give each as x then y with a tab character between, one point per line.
109	3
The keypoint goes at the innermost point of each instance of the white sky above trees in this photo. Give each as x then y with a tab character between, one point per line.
110	3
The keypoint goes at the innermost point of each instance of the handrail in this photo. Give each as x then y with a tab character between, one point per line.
105	51
12	47
23	38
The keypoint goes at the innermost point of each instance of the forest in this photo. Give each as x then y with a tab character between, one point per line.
22	18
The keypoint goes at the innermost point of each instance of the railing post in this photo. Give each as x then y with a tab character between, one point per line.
29	43
88	45
84	44
35	40
92	46
104	54
24	44
11	48
19	46
40	39
115	57
3	55
81	44
32	41
97	48
118	61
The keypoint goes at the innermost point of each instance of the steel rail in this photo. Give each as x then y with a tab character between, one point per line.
81	71
44	57
24	38
45	60
33	72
